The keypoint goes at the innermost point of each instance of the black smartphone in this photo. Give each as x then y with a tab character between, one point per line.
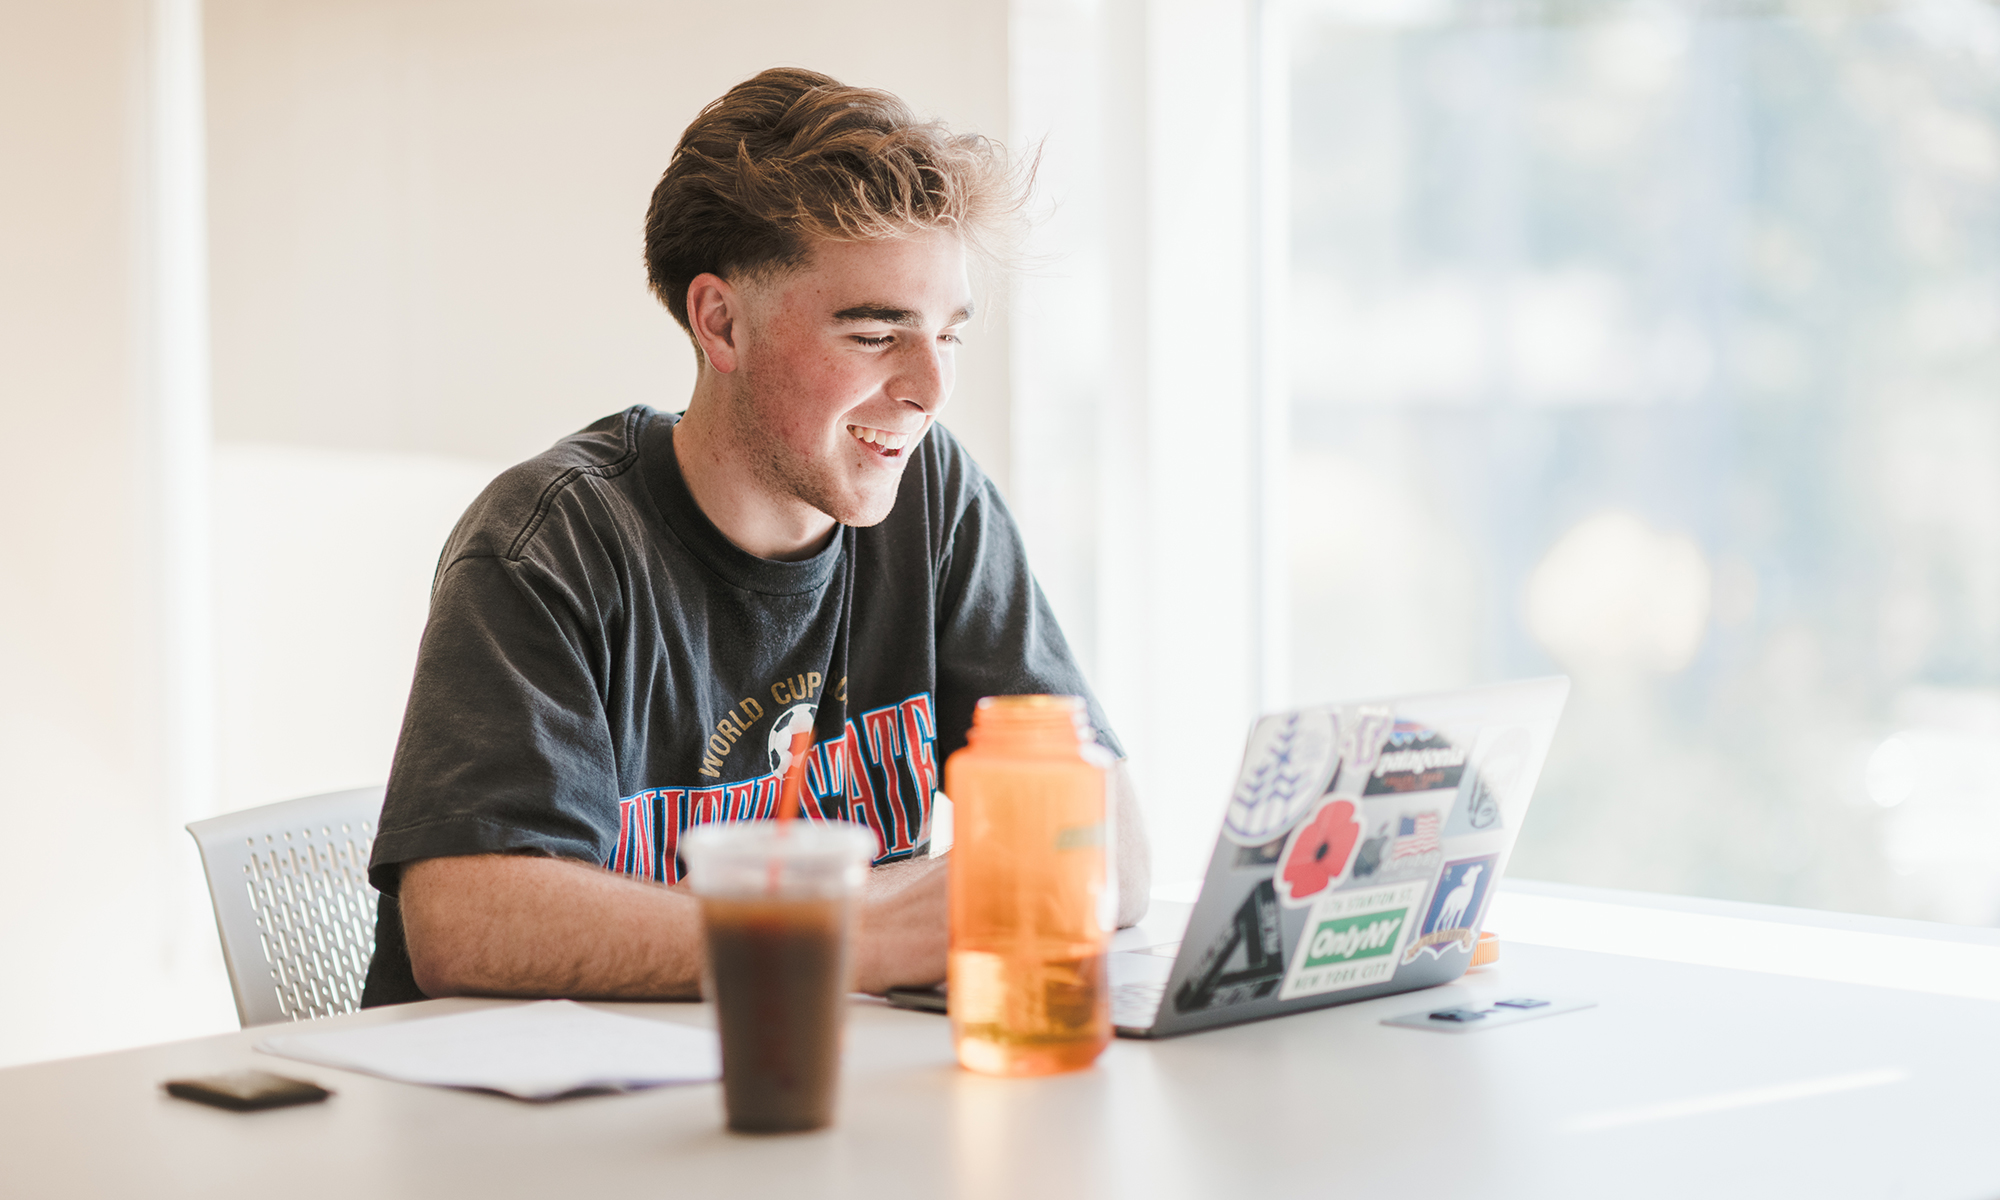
928	999
247	1091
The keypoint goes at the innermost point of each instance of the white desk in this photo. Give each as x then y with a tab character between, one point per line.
1685	1081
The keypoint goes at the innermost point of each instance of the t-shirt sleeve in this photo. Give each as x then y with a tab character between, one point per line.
505	747
997	635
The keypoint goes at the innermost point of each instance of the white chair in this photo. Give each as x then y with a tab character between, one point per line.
290	887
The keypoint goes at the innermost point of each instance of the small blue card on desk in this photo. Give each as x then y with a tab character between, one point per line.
1471	1015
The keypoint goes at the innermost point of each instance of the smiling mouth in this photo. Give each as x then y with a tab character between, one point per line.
881	441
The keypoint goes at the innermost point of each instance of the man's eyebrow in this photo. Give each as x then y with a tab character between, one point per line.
889	314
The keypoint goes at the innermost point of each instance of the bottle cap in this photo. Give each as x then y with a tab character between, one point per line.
1487	950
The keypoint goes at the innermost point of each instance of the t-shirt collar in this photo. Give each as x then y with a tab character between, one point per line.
686	522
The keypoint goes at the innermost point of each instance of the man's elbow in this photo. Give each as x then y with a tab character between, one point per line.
436	934
438	964
1132	847
1135	891
1135	874
437	976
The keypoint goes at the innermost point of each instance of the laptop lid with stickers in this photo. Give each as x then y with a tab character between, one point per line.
1360	848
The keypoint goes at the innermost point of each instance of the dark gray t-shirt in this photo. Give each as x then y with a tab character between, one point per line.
602	668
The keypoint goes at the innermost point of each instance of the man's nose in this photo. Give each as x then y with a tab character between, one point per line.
925	378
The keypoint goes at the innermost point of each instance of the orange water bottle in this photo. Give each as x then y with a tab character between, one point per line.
1030	899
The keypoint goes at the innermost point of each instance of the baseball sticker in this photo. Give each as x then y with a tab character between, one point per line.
1289	763
1451	922
1318	853
1351	939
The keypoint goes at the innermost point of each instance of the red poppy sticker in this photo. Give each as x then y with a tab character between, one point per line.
1320	851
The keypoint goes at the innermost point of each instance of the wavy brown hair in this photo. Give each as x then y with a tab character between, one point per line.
791	156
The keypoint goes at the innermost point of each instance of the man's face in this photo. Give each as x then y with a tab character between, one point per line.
844	364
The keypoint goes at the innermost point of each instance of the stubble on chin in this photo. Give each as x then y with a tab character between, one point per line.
814	481
819	484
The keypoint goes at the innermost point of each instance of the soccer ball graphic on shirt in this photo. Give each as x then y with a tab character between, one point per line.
795	720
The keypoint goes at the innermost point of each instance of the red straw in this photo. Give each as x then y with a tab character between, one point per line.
795	776
788	796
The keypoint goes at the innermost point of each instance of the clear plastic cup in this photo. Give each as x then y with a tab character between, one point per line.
778	902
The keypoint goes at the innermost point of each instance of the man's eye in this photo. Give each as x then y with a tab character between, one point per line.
865	340
951	339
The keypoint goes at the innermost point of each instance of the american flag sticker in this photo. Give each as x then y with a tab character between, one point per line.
1415	835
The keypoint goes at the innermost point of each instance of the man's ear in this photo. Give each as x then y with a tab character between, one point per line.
715	316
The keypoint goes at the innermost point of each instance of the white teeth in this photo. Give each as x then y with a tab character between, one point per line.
880	437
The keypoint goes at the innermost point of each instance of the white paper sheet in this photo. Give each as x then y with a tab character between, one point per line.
535	1051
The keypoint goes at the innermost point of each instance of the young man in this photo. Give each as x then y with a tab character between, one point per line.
630	633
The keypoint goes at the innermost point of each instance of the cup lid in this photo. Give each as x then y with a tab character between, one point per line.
798	839
778	857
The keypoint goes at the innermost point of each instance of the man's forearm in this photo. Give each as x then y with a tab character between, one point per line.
509	925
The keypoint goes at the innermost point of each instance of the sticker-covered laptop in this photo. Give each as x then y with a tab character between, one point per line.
1361	845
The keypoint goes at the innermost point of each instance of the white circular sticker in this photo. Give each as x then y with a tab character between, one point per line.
1288	766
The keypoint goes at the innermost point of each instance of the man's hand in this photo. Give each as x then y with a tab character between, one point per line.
904	927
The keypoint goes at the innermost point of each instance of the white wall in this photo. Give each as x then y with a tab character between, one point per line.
426	213
87	924
322	582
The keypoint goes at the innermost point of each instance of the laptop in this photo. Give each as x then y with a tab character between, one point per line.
1359	850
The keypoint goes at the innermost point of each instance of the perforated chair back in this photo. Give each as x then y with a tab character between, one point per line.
290	886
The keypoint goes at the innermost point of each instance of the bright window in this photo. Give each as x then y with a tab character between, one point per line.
1659	343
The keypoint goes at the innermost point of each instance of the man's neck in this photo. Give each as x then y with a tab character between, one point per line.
727	488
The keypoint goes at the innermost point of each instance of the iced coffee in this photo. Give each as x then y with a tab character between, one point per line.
778	902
